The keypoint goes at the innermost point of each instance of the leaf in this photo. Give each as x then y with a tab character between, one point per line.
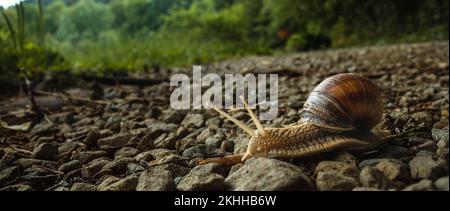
23	127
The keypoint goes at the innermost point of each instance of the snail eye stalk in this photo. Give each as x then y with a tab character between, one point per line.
244	127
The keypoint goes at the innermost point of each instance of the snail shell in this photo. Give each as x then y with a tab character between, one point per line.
344	102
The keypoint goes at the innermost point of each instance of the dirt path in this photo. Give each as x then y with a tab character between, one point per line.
137	142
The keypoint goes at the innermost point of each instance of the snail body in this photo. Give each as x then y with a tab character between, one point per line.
339	113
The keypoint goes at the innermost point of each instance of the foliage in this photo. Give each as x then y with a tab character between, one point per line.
131	34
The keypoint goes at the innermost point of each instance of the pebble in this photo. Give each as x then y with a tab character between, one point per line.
334	181
424	167
117	184
126	152
265	174
156	180
83	187
133	168
45	151
201	181
113	123
193	120
423	185
90	169
210	168
88	156
119	166
440	134
70	166
370	177
8	175
393	170
442	184
25	163
118	140
346	169
197	151
92	138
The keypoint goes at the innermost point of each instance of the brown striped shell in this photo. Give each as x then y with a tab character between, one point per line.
344	102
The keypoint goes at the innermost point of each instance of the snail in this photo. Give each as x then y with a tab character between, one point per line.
338	114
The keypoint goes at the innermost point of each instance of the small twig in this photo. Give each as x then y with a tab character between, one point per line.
49	169
19	150
403	134
48	120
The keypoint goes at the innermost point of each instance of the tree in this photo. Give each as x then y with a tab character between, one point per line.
84	20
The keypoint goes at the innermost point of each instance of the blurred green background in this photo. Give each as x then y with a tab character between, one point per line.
132	35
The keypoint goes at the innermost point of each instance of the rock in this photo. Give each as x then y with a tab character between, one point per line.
442	184
193	120
25	163
265	174
425	153
424	167
113	123
119	166
174	169
374	162
61	189
156	180
334	181
205	134
83	187
365	189
214	122
88	156
172	158
118	140
197	151
423	117
70	166
393	170
345	157
116	184
69	146
154	154
345	169
133	168
235	168
90	169
210	168
166	141
440	134
372	178
173	116
215	141
126	152
423	185
45	151
396	151
240	144
18	187
43	129
8	175
92	138
146	143
198	181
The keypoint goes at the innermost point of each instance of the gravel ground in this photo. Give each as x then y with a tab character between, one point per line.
137	142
